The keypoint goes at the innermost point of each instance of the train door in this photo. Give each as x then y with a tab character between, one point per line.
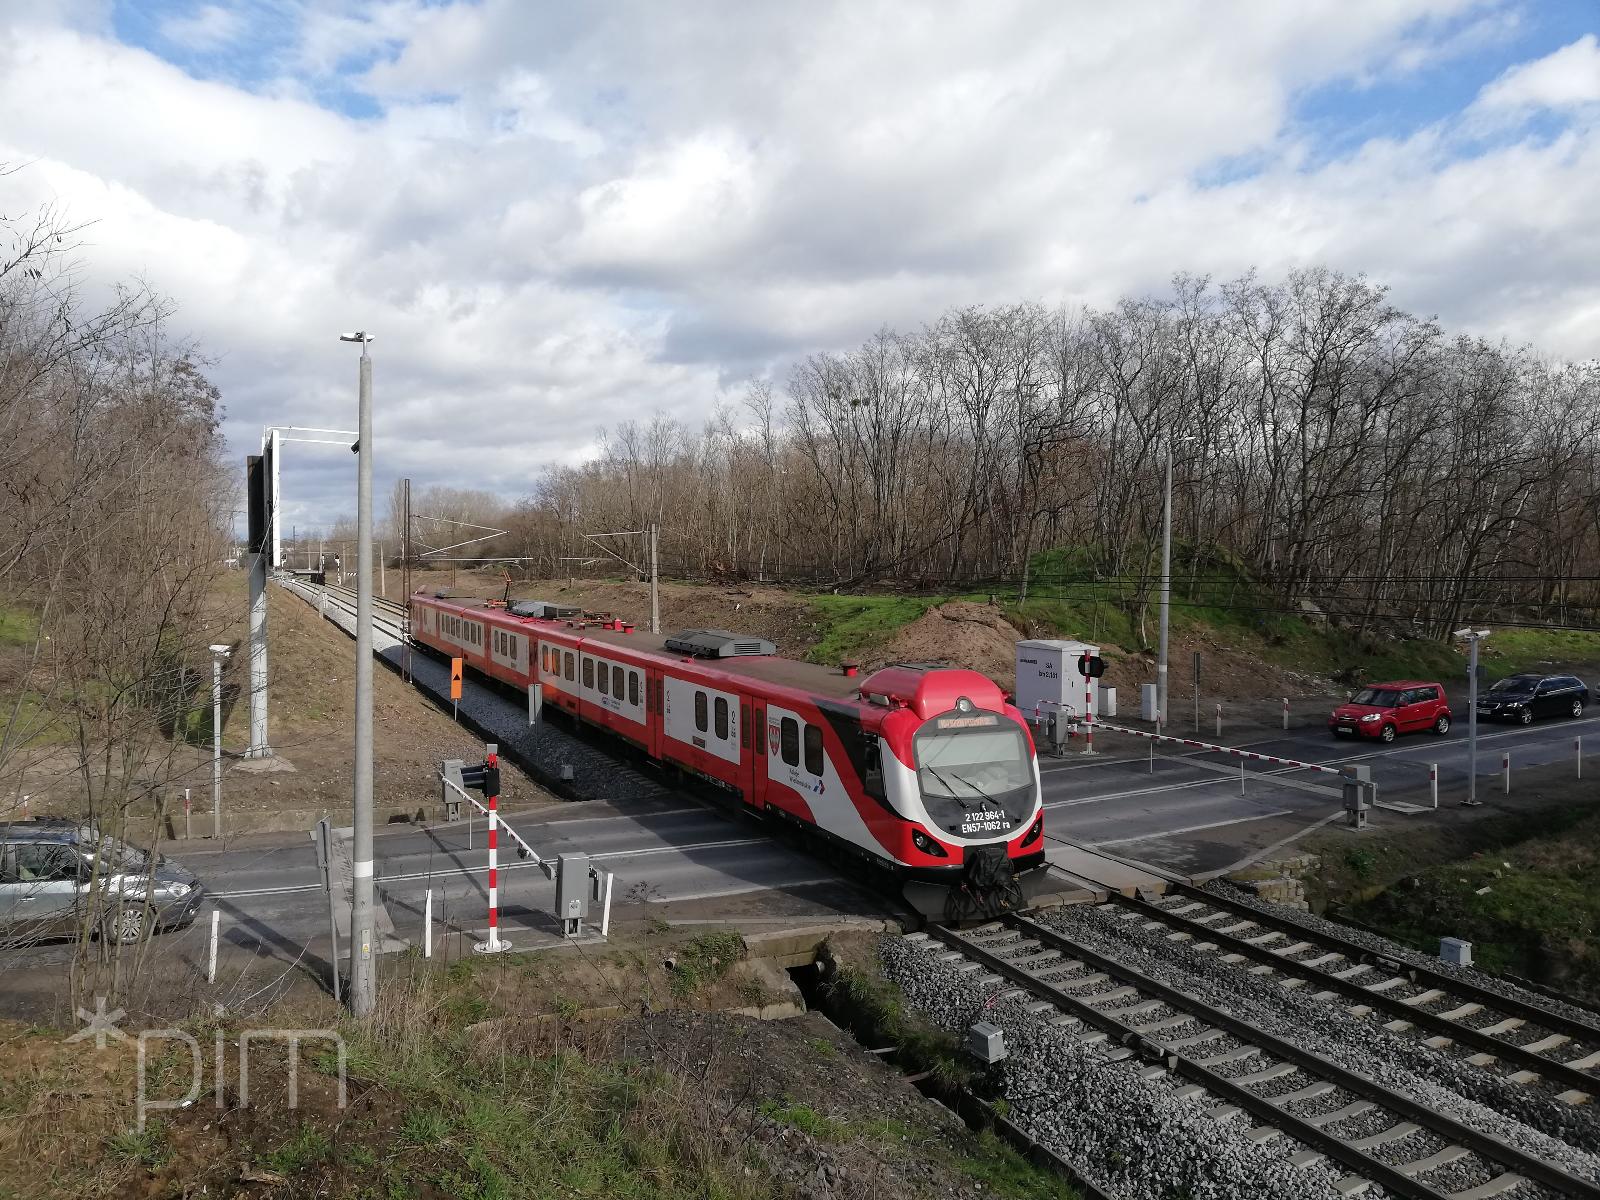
750	740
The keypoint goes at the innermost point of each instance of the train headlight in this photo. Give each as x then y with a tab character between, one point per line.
927	845
1034	832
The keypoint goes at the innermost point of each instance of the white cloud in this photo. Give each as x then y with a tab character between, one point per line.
1568	78
565	216
206	30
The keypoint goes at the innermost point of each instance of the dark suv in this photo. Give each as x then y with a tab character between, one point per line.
1525	698
47	871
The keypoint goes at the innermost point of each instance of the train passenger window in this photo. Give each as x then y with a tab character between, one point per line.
700	722
604	684
616	682
569	666
721	711
789	741
633	688
588	672
813	750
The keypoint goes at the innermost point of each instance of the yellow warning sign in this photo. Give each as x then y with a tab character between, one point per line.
455	679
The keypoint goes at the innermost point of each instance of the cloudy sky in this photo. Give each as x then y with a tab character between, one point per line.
556	216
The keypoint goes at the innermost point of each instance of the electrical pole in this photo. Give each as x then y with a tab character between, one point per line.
1166	592
655	578
405	581
363	983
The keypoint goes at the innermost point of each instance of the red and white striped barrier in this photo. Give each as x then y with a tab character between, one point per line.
494	945
1237	753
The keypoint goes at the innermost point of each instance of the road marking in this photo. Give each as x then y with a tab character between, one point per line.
409	876
1170	787
1145	837
740	891
1257	855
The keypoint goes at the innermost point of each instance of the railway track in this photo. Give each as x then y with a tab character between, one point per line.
1322	1112
1536	1043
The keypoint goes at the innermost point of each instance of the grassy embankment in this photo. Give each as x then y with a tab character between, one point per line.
1519	886
481	1080
1214	598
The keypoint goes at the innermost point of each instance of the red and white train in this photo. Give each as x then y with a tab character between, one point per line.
925	772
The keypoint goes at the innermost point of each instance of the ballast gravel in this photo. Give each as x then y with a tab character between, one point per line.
1536	1104
1463	1093
543	750
1134	1137
1382	945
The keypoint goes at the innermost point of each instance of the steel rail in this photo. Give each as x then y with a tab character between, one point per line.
1573	1077
1261	1107
1484	1144
1417	973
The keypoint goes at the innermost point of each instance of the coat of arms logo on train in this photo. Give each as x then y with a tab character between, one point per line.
937	779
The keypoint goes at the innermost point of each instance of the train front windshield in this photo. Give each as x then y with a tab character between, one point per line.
975	773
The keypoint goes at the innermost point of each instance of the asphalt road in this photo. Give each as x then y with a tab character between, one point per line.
1188	813
668	854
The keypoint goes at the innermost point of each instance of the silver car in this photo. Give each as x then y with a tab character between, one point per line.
47	871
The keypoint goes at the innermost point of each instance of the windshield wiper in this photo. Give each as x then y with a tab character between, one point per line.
984	798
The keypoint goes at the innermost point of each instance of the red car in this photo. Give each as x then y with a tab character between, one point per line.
1385	710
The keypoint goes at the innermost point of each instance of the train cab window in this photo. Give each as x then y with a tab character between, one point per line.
789	741
872	769
700	721
588	672
721	719
633	688
616	682
813	750
544	659
604	683
570	671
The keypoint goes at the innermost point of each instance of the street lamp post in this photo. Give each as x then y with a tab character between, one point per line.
218	653
363	982
1166	584
1472	637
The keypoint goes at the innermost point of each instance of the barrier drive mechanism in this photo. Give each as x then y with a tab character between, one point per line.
1357	792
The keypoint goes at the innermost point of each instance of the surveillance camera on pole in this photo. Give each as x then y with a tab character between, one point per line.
1472	637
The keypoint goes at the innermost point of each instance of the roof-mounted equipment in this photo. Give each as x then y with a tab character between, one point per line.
718	643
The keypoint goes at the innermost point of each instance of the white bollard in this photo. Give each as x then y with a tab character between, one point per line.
427	925
1241	777
1433	783
1219	718
1286	712
211	958
605	905
1505	772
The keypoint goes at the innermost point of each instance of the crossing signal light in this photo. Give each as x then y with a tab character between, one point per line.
481	777
1091	666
